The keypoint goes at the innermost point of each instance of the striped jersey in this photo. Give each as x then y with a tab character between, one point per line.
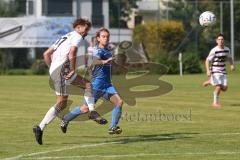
218	57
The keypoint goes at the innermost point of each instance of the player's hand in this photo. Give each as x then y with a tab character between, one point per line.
108	60
232	68
208	73
69	75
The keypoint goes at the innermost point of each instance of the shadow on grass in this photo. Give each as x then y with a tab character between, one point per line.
235	105
121	139
153	137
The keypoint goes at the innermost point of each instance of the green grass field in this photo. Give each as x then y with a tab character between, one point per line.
189	129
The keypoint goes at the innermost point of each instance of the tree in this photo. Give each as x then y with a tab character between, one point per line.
12	8
119	12
198	39
5	61
10	58
159	37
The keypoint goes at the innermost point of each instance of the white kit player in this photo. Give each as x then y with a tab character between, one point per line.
217	72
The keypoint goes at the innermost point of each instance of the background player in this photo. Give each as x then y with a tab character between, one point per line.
217	72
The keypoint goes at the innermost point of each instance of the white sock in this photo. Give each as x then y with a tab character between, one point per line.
89	100
49	117
215	97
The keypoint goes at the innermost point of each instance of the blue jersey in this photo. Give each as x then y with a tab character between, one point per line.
102	76
102	72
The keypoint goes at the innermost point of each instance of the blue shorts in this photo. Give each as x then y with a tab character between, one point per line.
102	89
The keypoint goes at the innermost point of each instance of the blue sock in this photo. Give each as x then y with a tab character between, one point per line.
72	114
116	115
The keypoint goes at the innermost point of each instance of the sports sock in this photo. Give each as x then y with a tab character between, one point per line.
215	97
72	114
116	115
49	117
89	100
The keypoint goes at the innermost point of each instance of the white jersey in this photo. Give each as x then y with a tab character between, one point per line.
218	58
90	51
62	48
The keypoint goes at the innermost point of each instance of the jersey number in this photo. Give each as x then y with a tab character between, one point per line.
59	42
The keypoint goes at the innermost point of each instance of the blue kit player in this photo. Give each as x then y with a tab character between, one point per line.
101	82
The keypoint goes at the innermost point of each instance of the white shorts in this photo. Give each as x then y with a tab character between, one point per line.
219	79
61	85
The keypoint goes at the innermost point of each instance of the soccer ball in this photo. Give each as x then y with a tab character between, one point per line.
207	18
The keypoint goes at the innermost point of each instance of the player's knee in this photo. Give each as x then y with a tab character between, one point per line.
120	102
88	86
84	109
224	88
61	105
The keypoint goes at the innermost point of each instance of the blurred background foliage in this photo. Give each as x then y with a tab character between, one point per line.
174	29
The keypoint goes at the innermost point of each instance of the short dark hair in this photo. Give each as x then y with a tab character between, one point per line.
220	35
81	21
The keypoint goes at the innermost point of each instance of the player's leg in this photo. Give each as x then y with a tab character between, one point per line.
49	117
207	82
75	112
216	94
94	115
54	110
84	83
83	109
61	91
116	114
224	86
216	81
90	99
221	85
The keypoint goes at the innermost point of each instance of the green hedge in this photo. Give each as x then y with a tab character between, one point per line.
18	71
159	37
191	63
39	67
171	61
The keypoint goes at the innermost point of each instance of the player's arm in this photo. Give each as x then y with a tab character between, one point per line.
72	57
208	61
47	56
72	61
101	62
97	60
207	66
231	63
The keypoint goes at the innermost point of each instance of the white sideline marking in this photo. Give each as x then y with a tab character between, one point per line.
21	156
59	150
218	134
13	158
137	155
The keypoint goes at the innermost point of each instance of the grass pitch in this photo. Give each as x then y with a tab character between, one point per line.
180	125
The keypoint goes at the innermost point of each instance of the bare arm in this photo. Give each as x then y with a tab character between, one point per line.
207	64
72	58
47	56
231	63
101	62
